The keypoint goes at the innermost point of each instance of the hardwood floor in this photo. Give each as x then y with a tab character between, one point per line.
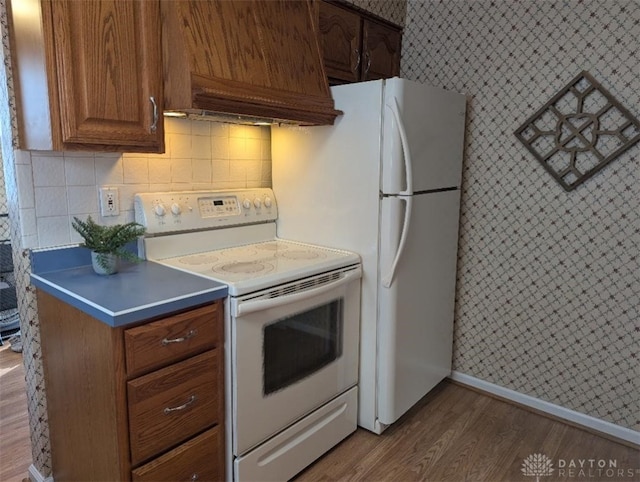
15	445
457	434
453	434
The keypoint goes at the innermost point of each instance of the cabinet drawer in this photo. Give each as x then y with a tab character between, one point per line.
201	458
170	405
162	342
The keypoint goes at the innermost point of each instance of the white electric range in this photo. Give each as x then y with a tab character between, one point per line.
291	324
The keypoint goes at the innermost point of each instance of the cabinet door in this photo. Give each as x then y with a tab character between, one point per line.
381	50
105	71
340	37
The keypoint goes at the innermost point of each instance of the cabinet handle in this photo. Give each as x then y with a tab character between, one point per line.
191	334
186	404
154	124
194	477
357	52
367	54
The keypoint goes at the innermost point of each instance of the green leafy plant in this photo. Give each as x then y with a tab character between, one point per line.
106	240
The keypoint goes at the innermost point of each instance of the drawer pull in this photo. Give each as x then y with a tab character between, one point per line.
168	410
191	334
194	477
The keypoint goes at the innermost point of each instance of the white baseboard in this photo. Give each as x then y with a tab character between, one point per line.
578	418
36	476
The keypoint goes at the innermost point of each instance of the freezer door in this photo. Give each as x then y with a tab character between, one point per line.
424	127
415	325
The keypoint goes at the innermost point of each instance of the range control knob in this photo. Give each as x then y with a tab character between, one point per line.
246	204
159	209
175	209
257	203
267	202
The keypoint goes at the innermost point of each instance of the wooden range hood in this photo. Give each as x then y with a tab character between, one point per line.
255	58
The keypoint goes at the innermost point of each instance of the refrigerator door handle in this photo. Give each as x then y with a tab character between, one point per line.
395	110
388	280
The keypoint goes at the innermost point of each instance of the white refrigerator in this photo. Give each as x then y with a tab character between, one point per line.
384	181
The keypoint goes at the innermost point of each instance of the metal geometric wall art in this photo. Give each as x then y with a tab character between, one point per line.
579	131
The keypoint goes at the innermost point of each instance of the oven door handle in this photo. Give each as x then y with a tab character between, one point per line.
240	308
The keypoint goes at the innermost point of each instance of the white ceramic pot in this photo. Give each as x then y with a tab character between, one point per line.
108	263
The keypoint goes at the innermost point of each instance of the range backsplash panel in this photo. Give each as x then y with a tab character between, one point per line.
548	292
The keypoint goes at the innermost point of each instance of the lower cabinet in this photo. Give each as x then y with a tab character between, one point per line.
135	403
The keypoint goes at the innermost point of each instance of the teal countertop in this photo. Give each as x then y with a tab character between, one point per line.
138	291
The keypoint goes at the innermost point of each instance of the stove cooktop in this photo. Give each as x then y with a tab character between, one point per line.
257	266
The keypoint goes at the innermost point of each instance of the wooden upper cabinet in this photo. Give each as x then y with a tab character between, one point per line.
86	73
341	41
105	70
356	45
245	57
381	51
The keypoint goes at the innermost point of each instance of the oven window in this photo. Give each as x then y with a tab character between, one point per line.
299	345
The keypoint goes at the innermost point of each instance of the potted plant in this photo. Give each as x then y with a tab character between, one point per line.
107	243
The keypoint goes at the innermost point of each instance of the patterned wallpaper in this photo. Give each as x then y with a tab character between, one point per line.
548	292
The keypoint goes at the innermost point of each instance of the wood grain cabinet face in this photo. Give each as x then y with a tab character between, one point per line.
340	41
163	420
357	46
170	405
104	66
157	344
197	459
381	47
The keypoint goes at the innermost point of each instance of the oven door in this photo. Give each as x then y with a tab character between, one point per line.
294	348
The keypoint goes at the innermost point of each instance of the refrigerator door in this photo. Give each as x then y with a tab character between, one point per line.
415	327
425	124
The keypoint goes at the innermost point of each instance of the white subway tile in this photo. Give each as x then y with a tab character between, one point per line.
48	170
54	231
173	125
180	146
219	148
266	149
237	148
201	170
219	129
253	132
200	128
127	193
80	171
109	170
28	224
159	187
22	157
51	201
238	131
159	170
181	170
266	172
253	149
254	170
201	147
238	171
30	242
136	170
82	199
26	194
220	170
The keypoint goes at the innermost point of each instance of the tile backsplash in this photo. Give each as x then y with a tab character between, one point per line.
56	186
